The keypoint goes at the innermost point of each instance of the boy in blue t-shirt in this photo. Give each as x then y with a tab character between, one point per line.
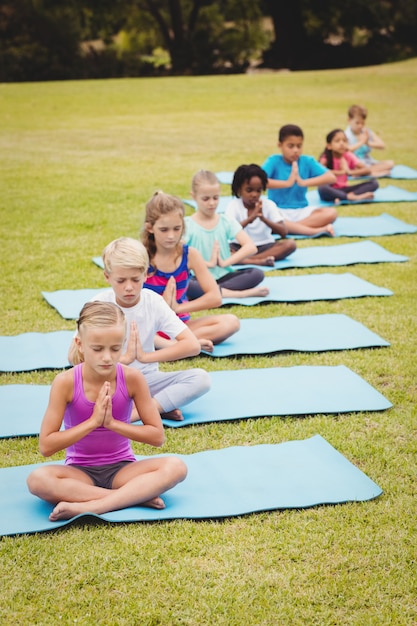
289	176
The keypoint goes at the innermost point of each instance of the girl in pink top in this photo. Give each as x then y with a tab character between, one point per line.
343	163
94	401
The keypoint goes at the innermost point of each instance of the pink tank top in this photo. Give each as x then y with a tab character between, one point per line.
101	446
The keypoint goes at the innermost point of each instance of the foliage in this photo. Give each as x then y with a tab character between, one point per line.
315	34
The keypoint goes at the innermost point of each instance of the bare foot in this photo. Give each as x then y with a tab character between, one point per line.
255	292
175	415
155	503
206	344
329	229
68	510
361	196
269	261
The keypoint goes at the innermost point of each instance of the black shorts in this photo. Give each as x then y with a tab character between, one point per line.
102	475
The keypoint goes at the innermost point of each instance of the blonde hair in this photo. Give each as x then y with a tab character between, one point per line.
95	315
356	110
160	204
201	177
125	252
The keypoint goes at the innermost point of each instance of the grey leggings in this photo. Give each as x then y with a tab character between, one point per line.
172	390
329	193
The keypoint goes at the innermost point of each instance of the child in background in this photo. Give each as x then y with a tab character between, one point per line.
169	271
344	163
259	218
289	176
126	265
362	140
210	233
94	401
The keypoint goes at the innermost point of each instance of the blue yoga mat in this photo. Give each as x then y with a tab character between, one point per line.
402	172
312	287
35	351
68	302
372	226
390	193
304	333
336	255
220	483
234	394
382	194
398	171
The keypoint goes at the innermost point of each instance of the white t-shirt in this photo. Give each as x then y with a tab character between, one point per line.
151	314
258	231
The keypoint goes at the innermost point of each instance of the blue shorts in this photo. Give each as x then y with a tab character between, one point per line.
102	475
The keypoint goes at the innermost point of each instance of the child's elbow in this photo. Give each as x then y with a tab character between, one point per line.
45	450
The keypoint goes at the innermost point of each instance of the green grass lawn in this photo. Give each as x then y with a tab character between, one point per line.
78	161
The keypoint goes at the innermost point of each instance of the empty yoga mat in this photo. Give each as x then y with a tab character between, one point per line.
35	351
69	302
312	287
220	483
304	333
234	394
336	255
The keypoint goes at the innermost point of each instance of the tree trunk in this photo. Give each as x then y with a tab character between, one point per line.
288	48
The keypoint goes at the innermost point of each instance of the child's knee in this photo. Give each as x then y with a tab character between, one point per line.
176	468
204	380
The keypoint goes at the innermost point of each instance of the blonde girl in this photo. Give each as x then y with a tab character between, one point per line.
171	262
211	232
94	402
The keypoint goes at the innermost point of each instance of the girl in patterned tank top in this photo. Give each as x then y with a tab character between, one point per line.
171	262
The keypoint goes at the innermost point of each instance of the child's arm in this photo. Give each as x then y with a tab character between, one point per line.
247	249
275	183
327	178
152	431
211	298
278	228
361	140
130	355
186	345
375	141
359	169
51	438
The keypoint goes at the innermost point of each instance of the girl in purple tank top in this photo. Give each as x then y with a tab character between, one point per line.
171	262
94	401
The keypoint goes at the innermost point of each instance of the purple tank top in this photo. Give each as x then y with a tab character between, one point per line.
101	446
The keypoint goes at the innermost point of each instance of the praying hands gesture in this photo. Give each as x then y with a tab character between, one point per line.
170	294
102	414
134	349
216	260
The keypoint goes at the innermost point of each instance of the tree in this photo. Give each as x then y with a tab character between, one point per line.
312	34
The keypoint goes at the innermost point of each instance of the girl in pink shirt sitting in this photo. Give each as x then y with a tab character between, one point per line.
93	401
343	163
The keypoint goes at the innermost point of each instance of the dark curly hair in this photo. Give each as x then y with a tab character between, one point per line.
244	173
